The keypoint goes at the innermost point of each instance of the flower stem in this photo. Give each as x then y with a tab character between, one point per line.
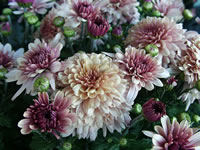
83	25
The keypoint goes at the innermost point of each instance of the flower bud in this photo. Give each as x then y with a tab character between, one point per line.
109	140
123	142
108	46
156	13
117	31
171	83
5	28
28	14
7	11
196	118
37	24
187	14
59	21
152	50
41	84
184	116
3	71
137	109
67	146
3	18
148	6
68	32
140	9
32	19
197	85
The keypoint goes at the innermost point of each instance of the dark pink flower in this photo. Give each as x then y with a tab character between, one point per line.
98	26
153	110
175	136
49	117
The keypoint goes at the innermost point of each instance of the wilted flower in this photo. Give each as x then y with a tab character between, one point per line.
162	32
153	110
8	56
48	117
98	26
47	28
40	60
140	69
97	88
190	97
121	11
174	136
36	6
170	8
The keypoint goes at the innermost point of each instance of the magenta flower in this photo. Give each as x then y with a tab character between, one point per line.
8	57
40	60
153	110
140	69
48	117
98	26
174	136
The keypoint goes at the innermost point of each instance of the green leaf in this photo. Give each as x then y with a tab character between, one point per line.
40	142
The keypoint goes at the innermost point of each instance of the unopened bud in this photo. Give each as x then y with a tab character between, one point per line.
32	19
123	142
3	71
7	11
156	13
137	109
184	116
67	146
109	140
148	6
152	50
68	32
196	118
41	84
59	21
187	14
28	14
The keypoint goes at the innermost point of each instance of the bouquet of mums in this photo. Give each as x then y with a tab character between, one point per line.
100	75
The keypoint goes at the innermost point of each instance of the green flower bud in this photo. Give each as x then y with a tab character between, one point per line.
68	32
156	13
184	116
59	21
41	84
110	30
140	9
148	6
67	146
7	11
197	85
196	118
152	50
137	109
3	71
187	14
123	142
109	140
108	46
37	24
32	19
28	14
3	18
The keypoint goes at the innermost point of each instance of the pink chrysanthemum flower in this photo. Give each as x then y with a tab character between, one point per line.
47	28
98	26
140	69
153	110
97	88
8	56
174	136
35	6
162	32
40	60
77	11
121	11
170	8
52	117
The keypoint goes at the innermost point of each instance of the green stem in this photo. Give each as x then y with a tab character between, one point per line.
83	24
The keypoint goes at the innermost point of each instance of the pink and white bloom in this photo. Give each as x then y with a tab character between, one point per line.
35	6
52	117
174	136
164	33
40	60
8	56
140	69
121	11
97	88
170	8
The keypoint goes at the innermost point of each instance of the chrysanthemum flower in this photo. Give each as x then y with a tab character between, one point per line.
153	110
170	8
98	26
174	136
97	89
8	56
47	28
52	117
40	60
140	69
121	11
162	32
36	6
